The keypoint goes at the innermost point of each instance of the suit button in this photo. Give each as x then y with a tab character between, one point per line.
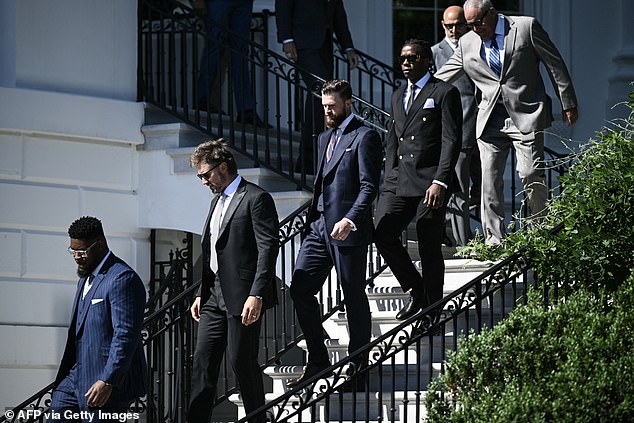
400	157
424	119
413	137
400	139
411	155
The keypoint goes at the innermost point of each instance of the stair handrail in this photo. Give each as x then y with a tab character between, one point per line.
425	324
159	84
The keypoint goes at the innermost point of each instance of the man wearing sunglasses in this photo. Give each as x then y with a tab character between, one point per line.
421	153
239	251
103	368
468	166
501	56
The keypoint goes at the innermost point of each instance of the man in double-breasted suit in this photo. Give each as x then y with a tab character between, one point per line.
305	28
240	244
422	148
501	56
468	165
103	368
339	227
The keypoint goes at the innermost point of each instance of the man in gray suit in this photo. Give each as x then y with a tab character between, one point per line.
455	26
501	56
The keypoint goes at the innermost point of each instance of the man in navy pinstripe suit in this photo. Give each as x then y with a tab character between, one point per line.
103	368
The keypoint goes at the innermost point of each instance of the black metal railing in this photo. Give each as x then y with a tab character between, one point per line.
169	335
170	47
405	359
169	331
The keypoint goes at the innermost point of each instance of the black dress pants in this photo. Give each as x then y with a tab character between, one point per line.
218	331
393	215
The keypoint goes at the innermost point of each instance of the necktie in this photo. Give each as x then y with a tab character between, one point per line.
494	58
331	145
412	95
216	218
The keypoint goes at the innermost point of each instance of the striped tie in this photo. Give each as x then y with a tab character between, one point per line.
494	58
331	145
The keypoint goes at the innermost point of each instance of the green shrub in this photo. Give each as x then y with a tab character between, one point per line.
570	363
573	361
594	249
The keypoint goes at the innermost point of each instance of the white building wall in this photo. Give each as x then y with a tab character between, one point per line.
69	128
69	132
48	178
77	46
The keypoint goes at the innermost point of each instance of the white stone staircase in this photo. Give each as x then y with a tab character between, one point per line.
386	298
172	198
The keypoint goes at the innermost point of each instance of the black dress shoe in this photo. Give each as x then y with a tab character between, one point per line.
355	384
249	117
309	371
413	306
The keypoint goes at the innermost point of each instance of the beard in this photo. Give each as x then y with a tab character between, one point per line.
335	121
82	272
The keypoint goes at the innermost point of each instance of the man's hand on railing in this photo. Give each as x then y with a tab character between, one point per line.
570	116
195	309
290	50
353	58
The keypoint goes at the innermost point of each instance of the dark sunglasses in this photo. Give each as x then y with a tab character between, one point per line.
478	22
455	25
411	58
205	175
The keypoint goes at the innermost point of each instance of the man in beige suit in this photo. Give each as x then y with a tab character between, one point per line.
501	56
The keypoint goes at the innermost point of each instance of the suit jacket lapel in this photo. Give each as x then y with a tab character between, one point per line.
86	301
76	302
419	101
398	110
233	205
446	50
323	145
509	42
345	141
212	206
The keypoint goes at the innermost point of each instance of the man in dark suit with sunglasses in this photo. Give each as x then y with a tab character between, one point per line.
239	251
423	144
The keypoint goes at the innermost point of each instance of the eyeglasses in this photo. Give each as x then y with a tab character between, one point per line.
411	58
478	22
455	25
81	253
205	175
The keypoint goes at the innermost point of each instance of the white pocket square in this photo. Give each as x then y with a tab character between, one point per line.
429	104
96	300
348	149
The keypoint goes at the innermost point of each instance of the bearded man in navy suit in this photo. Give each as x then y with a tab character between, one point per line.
339	226
103	368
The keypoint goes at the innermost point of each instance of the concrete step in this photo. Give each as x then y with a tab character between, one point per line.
171	136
